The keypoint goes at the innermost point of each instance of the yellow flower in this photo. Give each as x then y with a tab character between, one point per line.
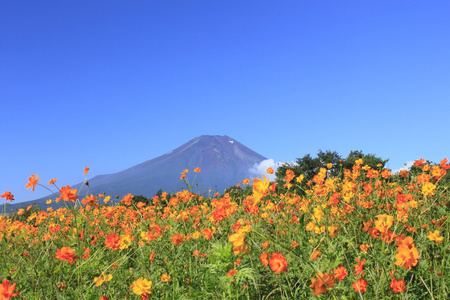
318	213
333	230
239	243
141	286
196	235
384	222
435	236
102	278
428	189
259	188
310	226
300	178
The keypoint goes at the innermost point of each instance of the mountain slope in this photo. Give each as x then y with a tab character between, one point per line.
223	162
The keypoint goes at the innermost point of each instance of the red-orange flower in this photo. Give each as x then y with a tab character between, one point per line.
232	272
360	285
398	286
112	241
420	162
340	273
68	194
197	170
278	263
66	254
322	283
7	291
270	171
207	233
8	196
360	266
32	182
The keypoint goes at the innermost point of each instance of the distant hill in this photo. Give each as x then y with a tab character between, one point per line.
223	161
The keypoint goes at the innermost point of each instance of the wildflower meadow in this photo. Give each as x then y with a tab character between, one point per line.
364	234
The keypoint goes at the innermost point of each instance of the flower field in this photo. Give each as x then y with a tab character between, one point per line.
365	234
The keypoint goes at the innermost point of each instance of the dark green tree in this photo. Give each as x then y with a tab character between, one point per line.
309	166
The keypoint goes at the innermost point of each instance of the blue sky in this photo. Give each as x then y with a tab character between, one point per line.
110	84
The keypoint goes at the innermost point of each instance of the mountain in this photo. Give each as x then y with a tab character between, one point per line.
223	161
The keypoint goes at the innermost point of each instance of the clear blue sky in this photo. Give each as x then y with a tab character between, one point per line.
110	84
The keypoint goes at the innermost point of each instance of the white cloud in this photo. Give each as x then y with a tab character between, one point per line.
407	166
261	169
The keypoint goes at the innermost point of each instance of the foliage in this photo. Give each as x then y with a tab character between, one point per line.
363	234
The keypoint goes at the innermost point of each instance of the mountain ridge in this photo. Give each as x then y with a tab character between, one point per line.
223	161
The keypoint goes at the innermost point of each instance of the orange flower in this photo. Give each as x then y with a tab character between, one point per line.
127	199
315	255
89	200
197	170
407	257
289	175
8	196
112	241
269	171
278	263
6	291
195	253
177	239
264	258
52	181
246	181
364	247
360	285
152	256
232	272
66	254
165	277
68	194
322	283
86	170
398	286
340	273
265	244
32	182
